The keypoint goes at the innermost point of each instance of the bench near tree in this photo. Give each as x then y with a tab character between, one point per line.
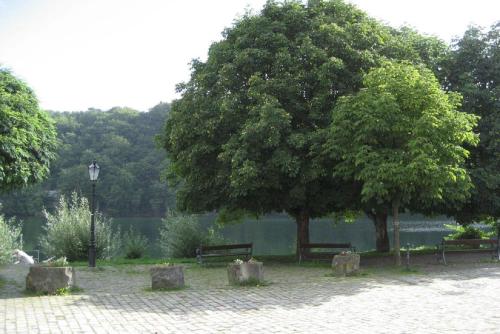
467	245
333	249
234	250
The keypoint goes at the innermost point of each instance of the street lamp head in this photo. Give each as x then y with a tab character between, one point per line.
94	171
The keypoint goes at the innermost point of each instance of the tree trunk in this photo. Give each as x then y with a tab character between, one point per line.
395	222
379	219
302	230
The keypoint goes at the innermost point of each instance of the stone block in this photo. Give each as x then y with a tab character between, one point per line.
345	264
239	273
42	279
167	277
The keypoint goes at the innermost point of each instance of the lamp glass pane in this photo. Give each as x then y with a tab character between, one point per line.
93	171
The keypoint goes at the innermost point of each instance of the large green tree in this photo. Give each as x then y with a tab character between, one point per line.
403	139
27	135
248	130
473	69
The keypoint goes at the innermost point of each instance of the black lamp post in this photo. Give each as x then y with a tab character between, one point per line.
94	173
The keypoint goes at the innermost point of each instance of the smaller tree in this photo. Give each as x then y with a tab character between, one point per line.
402	138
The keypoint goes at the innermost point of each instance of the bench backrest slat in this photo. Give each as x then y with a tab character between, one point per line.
473	242
319	245
224	247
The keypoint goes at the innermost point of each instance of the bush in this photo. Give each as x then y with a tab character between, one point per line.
68	231
10	239
465	232
180	235
494	225
134	244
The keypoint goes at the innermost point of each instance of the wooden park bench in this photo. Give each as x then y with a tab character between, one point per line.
306	252
203	251
467	245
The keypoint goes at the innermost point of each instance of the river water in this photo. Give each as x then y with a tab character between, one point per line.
276	235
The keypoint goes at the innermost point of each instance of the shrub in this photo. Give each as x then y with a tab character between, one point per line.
10	239
60	262
134	244
494	225
465	232
181	234
67	232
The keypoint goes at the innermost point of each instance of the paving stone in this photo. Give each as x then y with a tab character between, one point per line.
448	299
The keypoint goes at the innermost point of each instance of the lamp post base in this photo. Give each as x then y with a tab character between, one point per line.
91	257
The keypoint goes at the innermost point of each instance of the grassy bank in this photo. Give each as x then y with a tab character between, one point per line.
270	259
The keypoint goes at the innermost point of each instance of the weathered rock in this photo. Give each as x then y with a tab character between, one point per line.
239	273
49	279
345	264
167	277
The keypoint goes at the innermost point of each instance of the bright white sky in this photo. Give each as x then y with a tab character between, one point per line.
78	54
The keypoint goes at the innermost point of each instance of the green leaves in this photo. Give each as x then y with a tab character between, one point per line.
249	129
402	137
472	68
27	135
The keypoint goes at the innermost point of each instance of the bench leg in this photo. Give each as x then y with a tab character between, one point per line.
498	250
495	254
198	256
444	258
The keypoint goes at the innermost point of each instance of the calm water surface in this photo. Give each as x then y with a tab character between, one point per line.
276	235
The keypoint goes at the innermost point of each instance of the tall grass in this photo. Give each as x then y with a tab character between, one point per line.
134	244
67	231
10	238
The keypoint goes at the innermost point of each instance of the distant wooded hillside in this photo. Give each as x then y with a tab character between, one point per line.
122	140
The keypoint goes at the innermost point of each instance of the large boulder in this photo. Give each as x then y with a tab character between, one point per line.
167	277
345	264
245	272
42	279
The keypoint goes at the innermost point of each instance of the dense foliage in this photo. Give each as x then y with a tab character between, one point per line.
473	69
465	232
10	239
247	131
122	142
67	231
403	139
27	135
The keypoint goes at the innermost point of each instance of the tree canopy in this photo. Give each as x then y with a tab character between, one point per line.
27	135
473	69
249	126
403	139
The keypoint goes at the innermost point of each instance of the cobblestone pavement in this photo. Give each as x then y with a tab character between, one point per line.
460	298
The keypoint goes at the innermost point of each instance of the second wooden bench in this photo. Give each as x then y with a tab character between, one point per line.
203	251
332	249
470	245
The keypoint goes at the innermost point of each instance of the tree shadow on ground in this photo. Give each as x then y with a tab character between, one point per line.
289	288
124	288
